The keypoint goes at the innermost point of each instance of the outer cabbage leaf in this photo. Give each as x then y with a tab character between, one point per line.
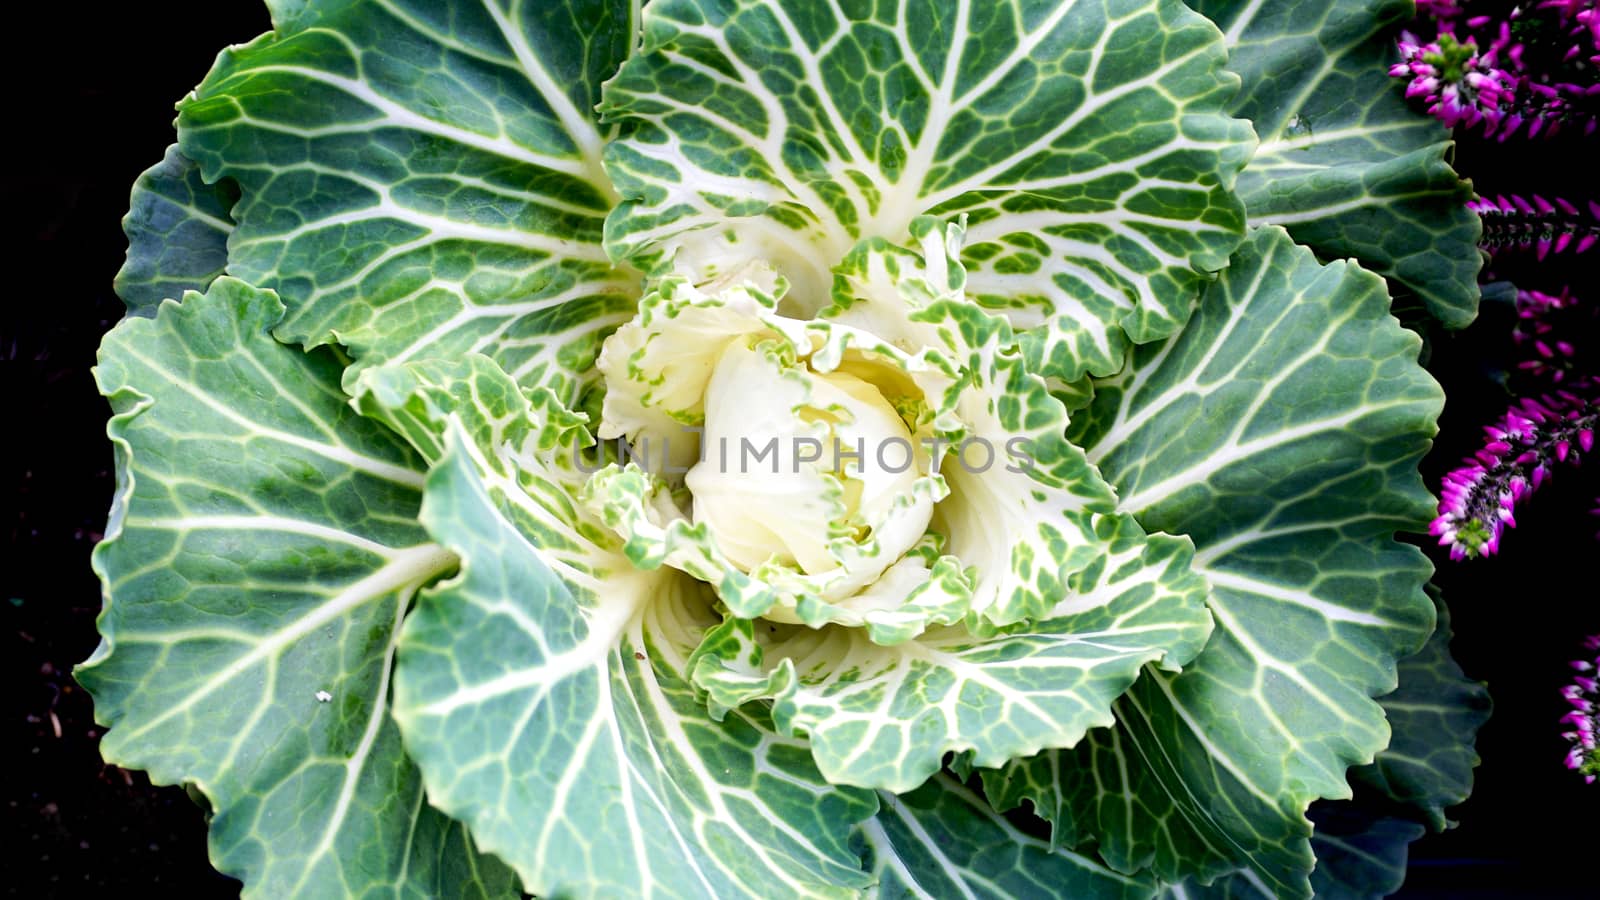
177	228
1361	855
1361	844
1435	714
261	550
1085	141
941	840
424	179
1281	431
1346	163
542	689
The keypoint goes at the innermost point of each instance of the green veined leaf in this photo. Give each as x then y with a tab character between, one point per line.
1346	163
1361	844
1435	715
177	228
1281	431
542	690
1085	142
941	840
424	179
261	551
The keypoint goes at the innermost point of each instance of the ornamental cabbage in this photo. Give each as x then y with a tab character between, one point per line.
748	447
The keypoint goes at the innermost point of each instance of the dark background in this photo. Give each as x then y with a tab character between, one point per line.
93	107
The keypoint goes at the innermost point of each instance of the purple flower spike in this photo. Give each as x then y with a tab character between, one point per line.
1478	501
1546	226
1583	757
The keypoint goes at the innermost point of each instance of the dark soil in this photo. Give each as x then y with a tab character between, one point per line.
98	110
